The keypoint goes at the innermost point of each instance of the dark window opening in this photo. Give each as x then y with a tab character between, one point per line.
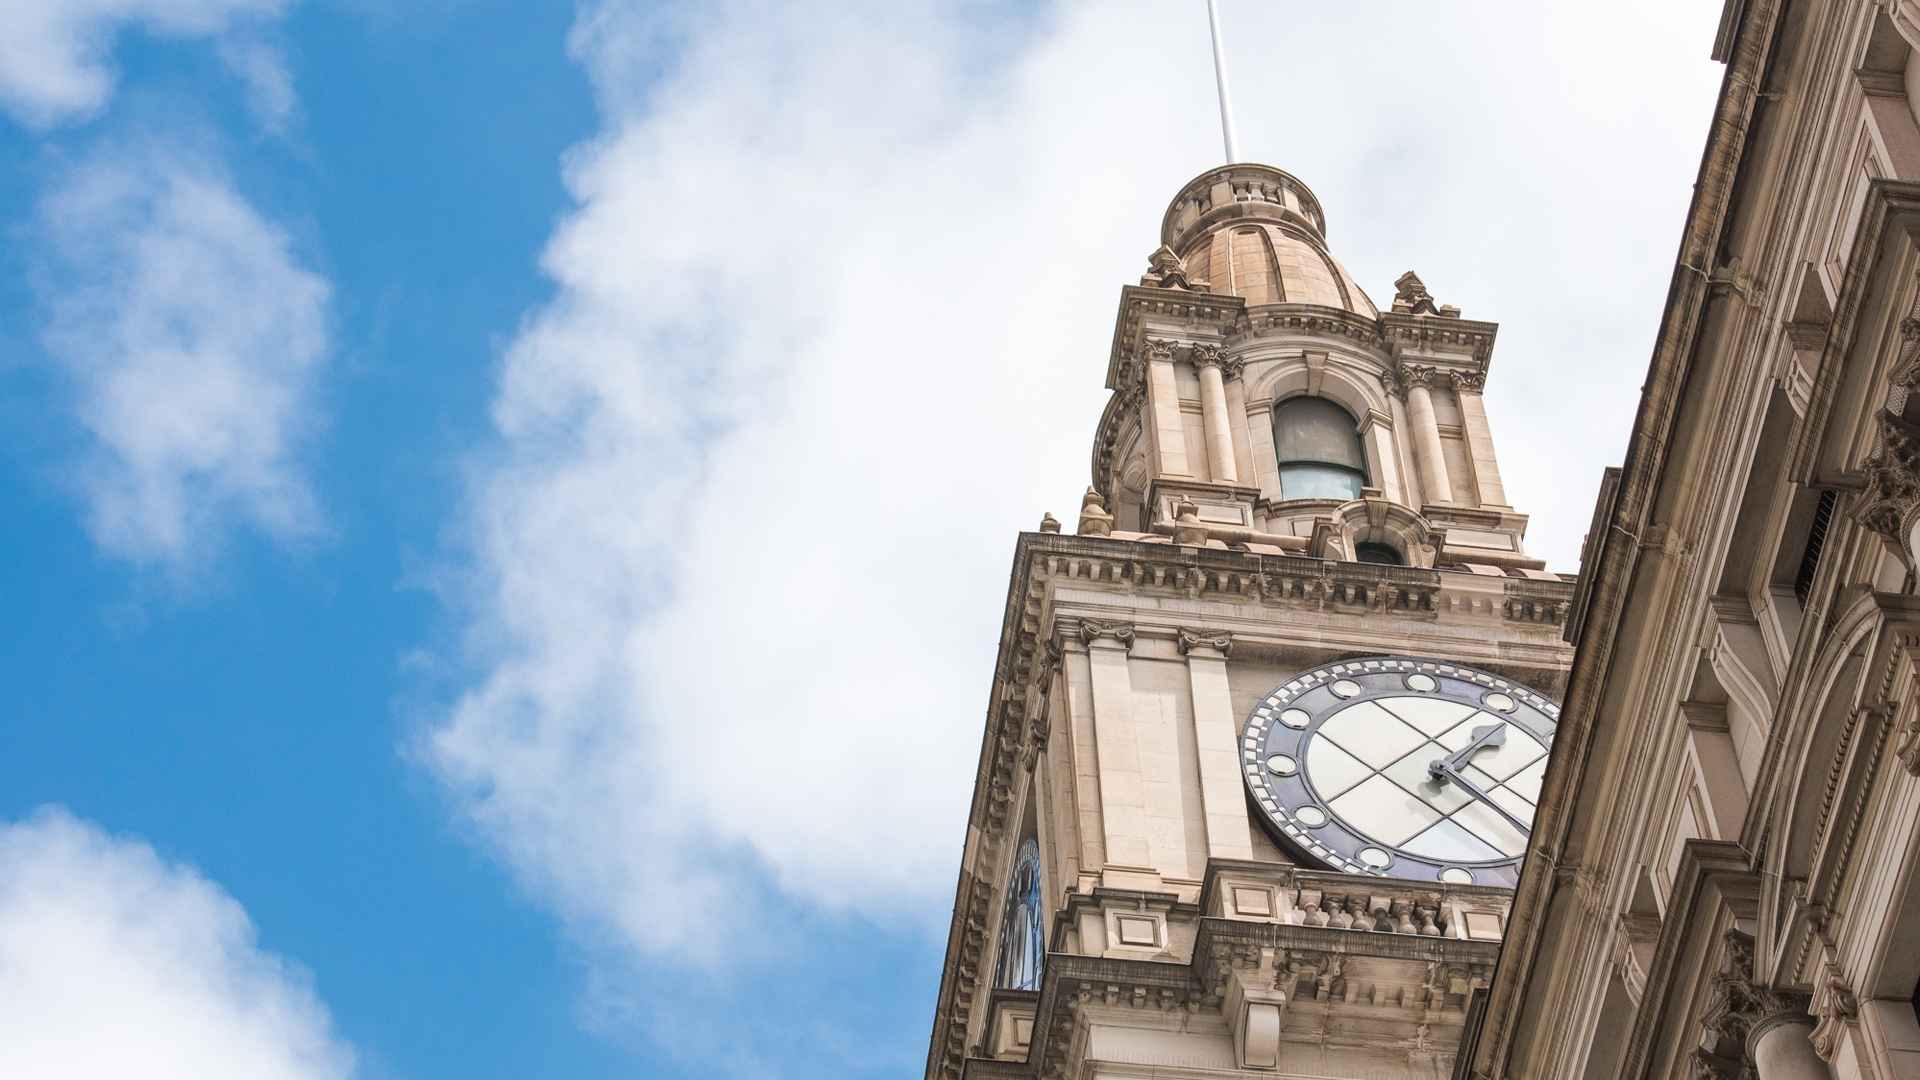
1023	948
1318	444
1816	540
1384	554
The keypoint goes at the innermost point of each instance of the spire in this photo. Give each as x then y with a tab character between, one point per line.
1220	81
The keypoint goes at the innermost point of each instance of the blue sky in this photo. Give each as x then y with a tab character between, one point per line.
506	504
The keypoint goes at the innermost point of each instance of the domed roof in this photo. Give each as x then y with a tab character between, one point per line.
1254	231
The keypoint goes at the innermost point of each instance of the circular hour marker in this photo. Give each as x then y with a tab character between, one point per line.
1498	701
1375	858
1345	688
1453	875
1310	816
1295	718
1422	683
1282	765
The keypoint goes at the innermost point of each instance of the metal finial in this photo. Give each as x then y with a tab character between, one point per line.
1220	80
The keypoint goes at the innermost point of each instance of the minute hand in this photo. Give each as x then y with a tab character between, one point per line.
1447	770
1493	735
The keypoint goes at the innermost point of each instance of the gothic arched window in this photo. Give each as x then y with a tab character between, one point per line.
1022	944
1318	444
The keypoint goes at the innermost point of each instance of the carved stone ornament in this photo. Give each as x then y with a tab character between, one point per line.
1892	495
1836	1006
1410	295
1092	631
1908	748
1219	640
1469	382
1049	523
1094	518
1412	375
1187	529
1167	270
1156	349
1205	356
1736	1007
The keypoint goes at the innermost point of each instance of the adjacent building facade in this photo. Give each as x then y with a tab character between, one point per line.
1723	875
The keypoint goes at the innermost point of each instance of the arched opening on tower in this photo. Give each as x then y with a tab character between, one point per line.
1319	450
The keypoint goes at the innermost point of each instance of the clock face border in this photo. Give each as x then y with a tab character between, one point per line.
1334	843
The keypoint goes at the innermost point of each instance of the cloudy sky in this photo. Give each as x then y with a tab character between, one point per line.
507	505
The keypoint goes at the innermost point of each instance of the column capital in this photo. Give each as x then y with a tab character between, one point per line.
1093	632
1156	349
1740	1012
1836	1006
1216	641
1421	376
1468	382
1205	356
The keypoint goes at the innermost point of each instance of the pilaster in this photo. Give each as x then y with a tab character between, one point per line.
1229	835
1123	807
1163	404
1473	423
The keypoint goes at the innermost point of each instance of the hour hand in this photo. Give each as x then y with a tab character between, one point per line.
1491	735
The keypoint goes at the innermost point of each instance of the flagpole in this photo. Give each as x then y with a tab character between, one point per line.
1220	80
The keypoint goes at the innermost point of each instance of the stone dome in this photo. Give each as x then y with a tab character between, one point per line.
1255	232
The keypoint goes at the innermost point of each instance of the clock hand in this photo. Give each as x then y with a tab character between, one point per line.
1473	789
1490	735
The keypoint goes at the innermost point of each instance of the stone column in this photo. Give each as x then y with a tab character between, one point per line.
1780	1046
1213	412
1432	459
1473	422
1216	734
1123	803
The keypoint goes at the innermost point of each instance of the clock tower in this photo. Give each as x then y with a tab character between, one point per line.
1267	726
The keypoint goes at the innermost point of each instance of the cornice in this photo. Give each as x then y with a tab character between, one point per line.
1213	313
1402	332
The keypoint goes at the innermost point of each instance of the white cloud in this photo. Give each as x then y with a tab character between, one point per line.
831	324
56	56
115	963
192	337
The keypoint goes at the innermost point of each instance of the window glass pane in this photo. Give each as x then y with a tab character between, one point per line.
1313	481
1315	429
1022	946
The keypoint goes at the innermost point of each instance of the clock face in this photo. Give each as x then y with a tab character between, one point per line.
1402	767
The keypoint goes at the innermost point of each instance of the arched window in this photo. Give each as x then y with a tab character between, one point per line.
1318	444
1368	551
1022	943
